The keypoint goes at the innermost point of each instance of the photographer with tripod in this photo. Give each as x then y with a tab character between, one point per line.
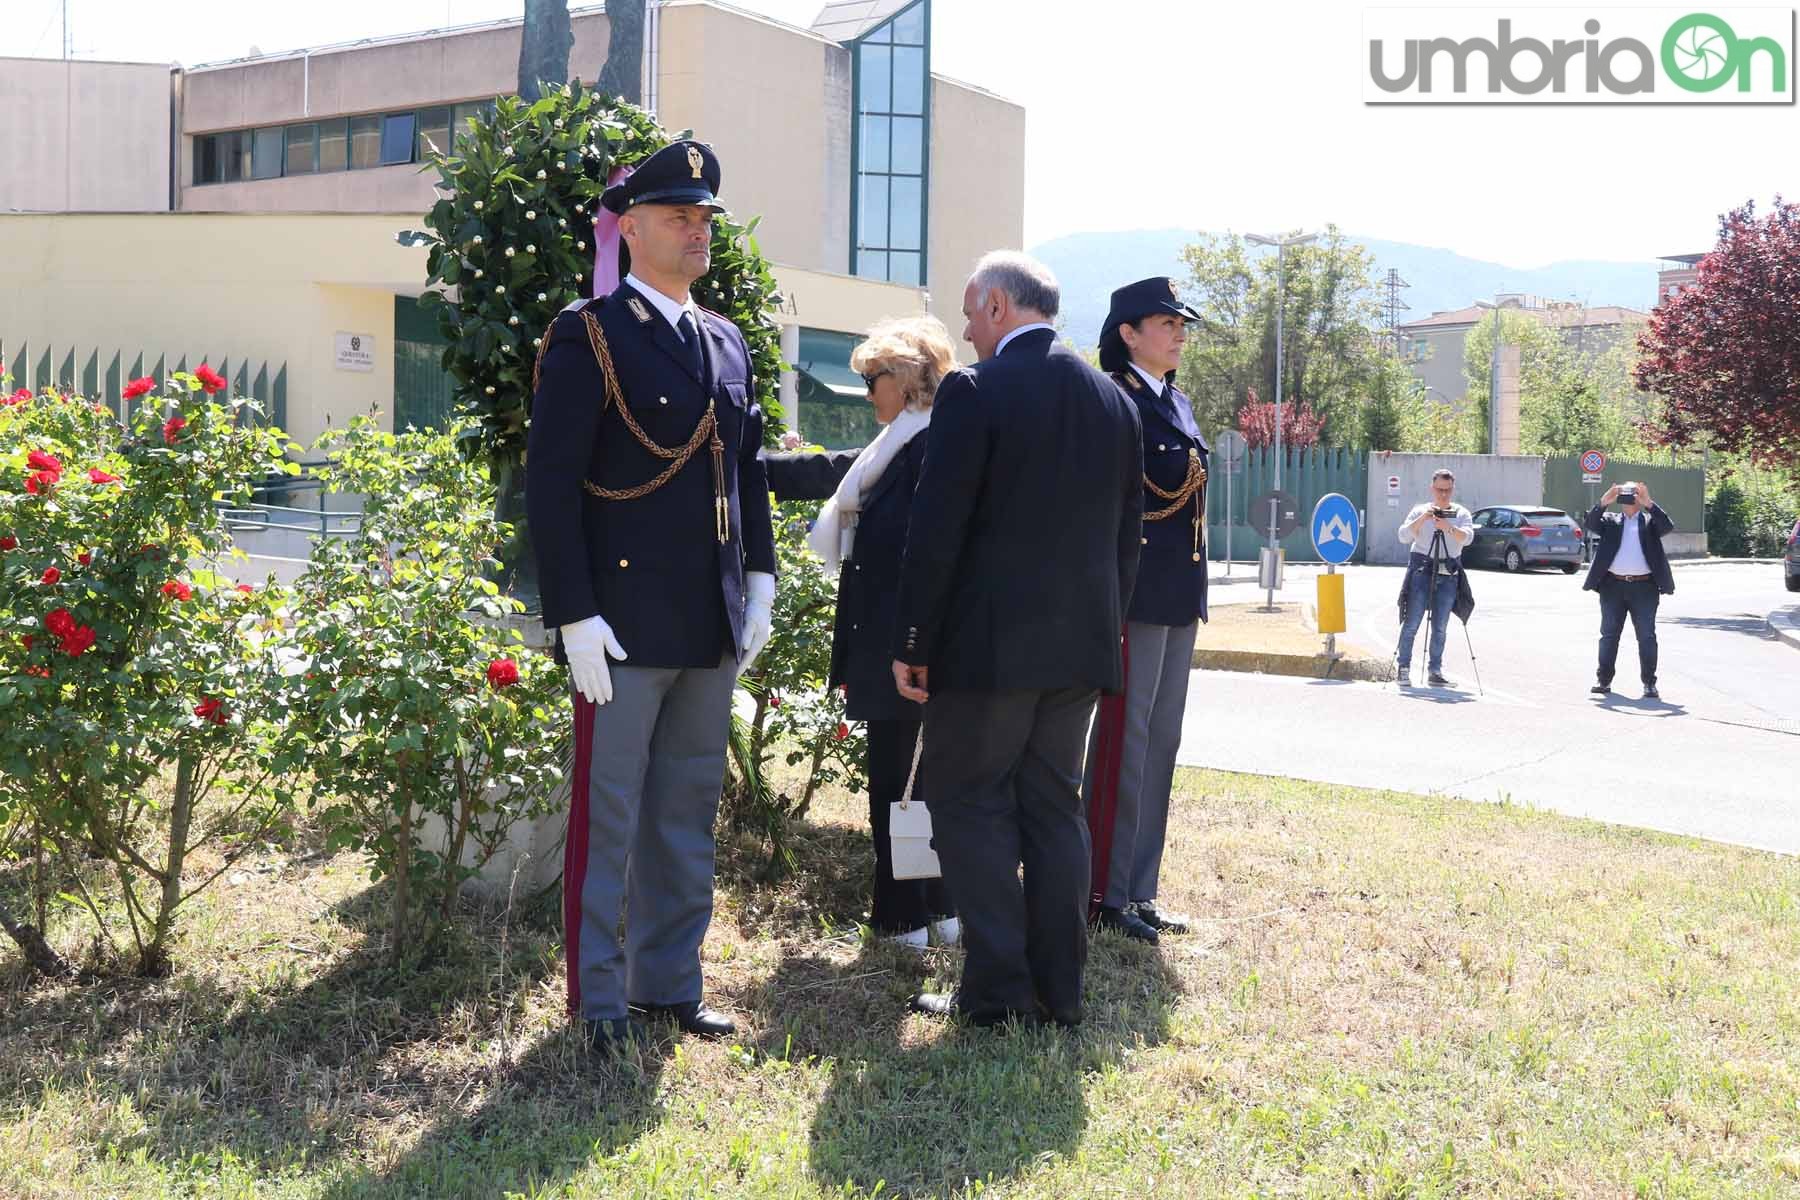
1437	532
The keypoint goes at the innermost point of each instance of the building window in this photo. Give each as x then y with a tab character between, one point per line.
434	133
302	149
365	142
267	151
397	139
334	145
890	184
338	144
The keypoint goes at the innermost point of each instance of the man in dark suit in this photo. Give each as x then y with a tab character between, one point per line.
1019	566
649	515
1631	573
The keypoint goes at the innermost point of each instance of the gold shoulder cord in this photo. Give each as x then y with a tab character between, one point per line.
1192	488
706	431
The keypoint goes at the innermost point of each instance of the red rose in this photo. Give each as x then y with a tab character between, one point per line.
843	731
22	396
96	475
177	589
61	622
210	380
39	482
502	673
9	542
211	709
84	558
37	460
172	429
50	576
138	387
38	672
28	639
78	641
774	701
245	588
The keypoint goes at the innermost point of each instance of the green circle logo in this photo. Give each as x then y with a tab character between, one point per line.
1699	53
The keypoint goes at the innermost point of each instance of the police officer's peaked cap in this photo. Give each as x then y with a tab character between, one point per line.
1147	298
685	172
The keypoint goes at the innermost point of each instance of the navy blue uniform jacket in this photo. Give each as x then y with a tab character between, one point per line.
868	598
1171	586
652	567
1611	527
1024	539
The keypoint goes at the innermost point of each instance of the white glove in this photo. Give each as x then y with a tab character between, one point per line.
587	643
759	604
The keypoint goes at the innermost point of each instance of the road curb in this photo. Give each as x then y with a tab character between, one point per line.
1785	622
1310	666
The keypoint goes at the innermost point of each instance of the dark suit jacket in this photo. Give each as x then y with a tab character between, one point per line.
652	567
1610	526
1025	528
868	599
1171	586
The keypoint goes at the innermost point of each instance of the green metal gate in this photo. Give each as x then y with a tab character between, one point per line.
1306	475
424	393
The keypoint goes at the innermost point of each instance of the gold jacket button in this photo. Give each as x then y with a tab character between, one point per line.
624	562
1144	541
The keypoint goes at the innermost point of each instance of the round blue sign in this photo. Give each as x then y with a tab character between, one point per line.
1335	527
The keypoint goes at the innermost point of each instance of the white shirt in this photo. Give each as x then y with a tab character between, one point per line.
1156	384
1630	558
671	309
1022	329
1463	521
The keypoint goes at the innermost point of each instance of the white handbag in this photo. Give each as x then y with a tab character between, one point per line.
909	829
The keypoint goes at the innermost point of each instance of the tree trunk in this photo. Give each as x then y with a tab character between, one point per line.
39	955
544	46
623	74
402	877
181	818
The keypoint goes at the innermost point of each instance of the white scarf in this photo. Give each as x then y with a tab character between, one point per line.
833	535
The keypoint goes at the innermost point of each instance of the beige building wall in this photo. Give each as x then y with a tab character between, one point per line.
83	136
977	190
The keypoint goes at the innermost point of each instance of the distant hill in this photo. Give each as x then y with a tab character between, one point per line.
1091	265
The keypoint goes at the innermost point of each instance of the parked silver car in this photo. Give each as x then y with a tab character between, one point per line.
1516	536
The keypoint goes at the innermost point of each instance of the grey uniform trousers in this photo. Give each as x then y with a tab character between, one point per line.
1156	684
648	768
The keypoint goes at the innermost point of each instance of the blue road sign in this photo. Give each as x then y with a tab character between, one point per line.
1335	528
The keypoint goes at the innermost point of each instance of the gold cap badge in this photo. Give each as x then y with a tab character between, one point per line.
1173	291
695	160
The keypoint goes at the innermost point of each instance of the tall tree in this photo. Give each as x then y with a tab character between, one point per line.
544	46
1724	354
623	74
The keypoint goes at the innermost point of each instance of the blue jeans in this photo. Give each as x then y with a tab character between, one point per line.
1443	596
1638	598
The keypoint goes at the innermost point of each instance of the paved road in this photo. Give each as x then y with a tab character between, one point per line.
1715	759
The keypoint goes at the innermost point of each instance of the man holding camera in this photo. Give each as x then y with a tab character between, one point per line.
1631	573
1437	532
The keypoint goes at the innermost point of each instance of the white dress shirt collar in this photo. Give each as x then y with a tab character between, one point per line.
1155	382
670	309
1036	325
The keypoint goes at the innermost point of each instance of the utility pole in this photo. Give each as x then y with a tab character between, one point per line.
1281	244
1392	306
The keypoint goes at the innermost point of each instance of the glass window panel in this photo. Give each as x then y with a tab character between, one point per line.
909	26
882	33
434	131
874	148
909	80
234	157
333	145
876	66
206	160
904	268
872	264
302	149
903	213
365	142
908	152
397	138
266	154
872	223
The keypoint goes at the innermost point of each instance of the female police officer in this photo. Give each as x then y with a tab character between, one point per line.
1131	754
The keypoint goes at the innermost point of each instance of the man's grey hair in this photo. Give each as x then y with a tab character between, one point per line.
1443	473
1027	282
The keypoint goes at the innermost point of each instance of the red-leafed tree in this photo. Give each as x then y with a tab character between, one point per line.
1300	425
1724	354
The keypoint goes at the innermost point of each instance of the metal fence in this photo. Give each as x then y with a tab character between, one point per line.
1306	475
1679	491
92	374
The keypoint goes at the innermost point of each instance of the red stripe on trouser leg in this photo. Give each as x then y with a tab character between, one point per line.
575	847
1109	755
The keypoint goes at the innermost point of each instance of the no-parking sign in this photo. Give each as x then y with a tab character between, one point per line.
1593	466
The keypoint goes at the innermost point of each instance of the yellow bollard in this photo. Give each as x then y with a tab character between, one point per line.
1331	603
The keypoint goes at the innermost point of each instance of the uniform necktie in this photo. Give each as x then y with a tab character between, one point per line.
690	339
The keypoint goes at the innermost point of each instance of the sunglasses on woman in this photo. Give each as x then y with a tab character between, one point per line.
869	379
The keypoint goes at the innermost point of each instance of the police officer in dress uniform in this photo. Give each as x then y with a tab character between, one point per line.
1131	752
649	514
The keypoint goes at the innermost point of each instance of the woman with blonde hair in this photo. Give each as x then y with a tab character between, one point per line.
861	531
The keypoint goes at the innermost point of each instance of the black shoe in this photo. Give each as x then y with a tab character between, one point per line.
692	1017
944	1004
1650	692
1162	922
1601	689
616	1033
1439	679
1121	920
935	1004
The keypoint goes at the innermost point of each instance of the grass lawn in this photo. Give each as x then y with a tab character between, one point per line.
1384	995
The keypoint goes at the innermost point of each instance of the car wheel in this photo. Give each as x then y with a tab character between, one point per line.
1515	562
1793	583
1569	568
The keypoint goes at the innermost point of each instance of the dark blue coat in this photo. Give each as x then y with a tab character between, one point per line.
1611	528
1025	526
1171	585
868	599
652	567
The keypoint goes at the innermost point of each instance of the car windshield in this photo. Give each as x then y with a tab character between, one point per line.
1548	516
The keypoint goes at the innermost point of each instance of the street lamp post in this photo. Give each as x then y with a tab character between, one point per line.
1281	244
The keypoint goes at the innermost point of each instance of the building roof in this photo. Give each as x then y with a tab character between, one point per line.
847	20
1562	316
1689	259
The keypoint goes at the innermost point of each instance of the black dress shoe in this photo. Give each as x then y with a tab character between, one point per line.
1650	692
1124	921
935	1004
615	1033
944	1004
1162	922
691	1017
1601	689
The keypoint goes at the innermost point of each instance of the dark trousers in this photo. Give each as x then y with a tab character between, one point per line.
1005	775
900	905
1617	598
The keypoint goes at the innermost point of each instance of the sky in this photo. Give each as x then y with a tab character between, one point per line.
1182	114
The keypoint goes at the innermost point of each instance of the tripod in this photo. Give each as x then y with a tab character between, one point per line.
1436	555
